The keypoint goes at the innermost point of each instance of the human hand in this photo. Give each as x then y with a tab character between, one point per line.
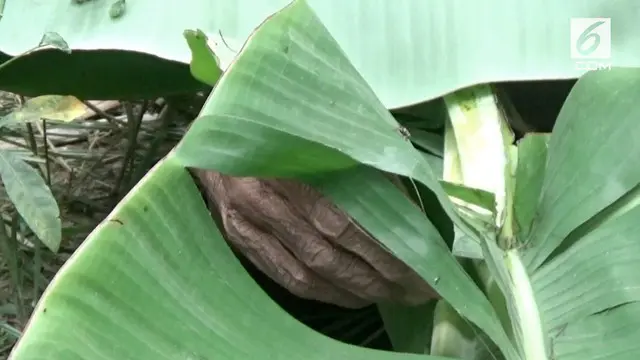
301	240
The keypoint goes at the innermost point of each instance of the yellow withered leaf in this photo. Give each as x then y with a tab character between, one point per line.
50	107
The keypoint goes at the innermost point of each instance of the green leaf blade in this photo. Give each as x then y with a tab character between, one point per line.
581	183
449	33
530	173
205	65
156	280
399	225
612	334
294	80
32	198
600	269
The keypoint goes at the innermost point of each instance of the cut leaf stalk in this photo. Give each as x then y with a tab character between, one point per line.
479	155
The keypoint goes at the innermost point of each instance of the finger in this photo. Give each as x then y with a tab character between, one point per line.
337	225
319	211
296	234
301	196
266	252
270	257
414	290
211	182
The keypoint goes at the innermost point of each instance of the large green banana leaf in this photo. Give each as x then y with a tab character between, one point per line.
397	46
156	280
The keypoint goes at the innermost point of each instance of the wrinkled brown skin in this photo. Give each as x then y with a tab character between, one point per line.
306	244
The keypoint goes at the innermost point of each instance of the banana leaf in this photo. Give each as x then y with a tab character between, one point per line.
398	46
156	280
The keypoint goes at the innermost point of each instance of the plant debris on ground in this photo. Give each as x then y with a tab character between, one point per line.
91	162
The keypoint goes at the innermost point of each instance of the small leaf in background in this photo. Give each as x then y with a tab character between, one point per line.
431	142
51	107
478	197
532	161
205	65
32	198
54	39
465	246
429	115
117	9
